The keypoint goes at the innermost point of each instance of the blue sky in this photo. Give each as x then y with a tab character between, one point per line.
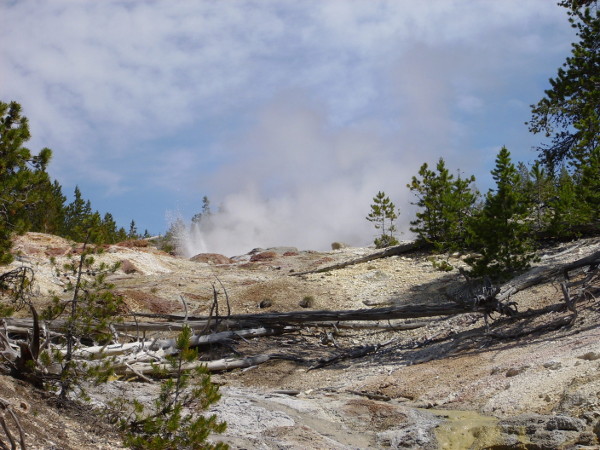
289	115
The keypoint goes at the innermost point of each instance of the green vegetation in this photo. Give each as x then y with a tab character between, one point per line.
500	232
176	420
557	198
90	311
383	214
203	217
23	177
569	113
31	201
445	206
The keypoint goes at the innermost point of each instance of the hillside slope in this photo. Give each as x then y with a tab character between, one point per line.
446	384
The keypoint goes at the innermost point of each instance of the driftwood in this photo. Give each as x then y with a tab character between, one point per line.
390	251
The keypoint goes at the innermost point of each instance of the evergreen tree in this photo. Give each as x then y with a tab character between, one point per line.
566	218
588	189
203	217
536	187
133	233
445	204
383	214
570	111
121	235
541	190
50	214
501	233
46	215
21	173
108	229
76	214
177	420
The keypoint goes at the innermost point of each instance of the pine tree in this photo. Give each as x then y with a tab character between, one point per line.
46	214
588	189
133	233
501	233
203	218
121	235
536	187
21	173
565	206
50	214
445	204
383	214
76	214
570	111
108	229
541	191
177	420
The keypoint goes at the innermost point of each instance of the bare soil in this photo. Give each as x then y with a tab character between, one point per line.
378	400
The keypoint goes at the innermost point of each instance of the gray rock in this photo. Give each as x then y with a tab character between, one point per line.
514	371
553	365
544	431
565	423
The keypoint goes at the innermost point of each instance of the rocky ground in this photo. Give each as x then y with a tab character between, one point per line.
449	384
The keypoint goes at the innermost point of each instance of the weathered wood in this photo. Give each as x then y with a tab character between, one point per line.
168	345
383	325
390	251
548	275
212	366
356	352
281	320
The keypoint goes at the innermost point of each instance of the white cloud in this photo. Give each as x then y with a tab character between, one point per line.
313	105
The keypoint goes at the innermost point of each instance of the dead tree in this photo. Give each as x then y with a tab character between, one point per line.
390	251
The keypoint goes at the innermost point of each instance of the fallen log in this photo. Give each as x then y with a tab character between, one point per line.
412	311
549	275
213	366
368	325
286	319
167	346
356	352
390	251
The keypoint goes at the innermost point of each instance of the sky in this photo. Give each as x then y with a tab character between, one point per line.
289	115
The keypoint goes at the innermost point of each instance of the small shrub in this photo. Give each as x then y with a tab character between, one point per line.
265	303
175	422
307	302
385	240
441	264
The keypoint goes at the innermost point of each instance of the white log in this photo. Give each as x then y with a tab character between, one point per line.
212	366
